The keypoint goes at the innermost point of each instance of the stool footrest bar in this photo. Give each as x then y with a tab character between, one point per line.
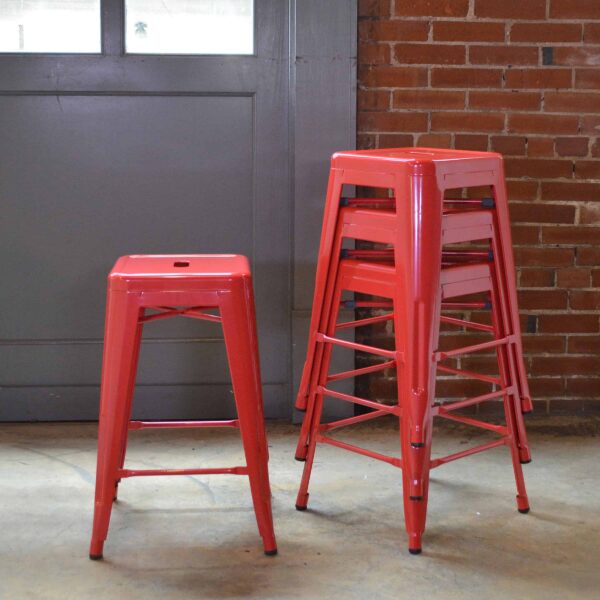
362	322
476	399
468	324
122	473
396	462
470	374
354	346
183	424
436	462
501	429
394	410
362	371
475	347
352	420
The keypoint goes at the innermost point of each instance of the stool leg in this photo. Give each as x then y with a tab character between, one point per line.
332	201
315	417
317	355
130	390
416	317
122	315
500	302
508	273
239	329
512	405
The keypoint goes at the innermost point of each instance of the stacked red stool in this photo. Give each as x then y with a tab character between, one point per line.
146	288
417	277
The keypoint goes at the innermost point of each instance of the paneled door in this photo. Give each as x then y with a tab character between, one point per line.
144	126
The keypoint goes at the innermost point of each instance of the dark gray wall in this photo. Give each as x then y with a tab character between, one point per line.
103	156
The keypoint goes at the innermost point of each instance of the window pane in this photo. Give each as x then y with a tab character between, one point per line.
189	26
50	26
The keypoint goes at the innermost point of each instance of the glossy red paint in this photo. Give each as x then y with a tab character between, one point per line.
188	286
420	280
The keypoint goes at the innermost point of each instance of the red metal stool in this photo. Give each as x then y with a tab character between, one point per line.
451	165
382	280
147	288
380	226
417	228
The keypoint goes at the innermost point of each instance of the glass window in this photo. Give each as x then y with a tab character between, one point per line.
189	26
50	26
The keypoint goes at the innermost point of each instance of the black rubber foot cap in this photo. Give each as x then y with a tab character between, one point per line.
271	552
416	498
417	445
300	459
96	556
415	550
300	507
525	462
524	510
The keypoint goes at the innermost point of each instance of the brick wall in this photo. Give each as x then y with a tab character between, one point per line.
520	77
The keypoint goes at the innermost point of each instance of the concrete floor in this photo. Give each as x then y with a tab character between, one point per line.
195	537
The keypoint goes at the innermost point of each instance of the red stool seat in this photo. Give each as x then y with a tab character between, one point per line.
144	288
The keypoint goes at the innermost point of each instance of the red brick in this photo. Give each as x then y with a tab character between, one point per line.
525	235
428	99
471	142
563	190
384	76
366	141
572	146
545	124
587	169
574	9
374	54
373	100
595	149
587	79
545	32
431	8
583	344
590	125
461	31
392	122
393	31
465	78
591	33
580	56
513	100
584	387
374	8
540	147
596	278
571	234
542	212
571	102
459	388
579	323
508	145
542	299
503	55
542	387
588	256
536	278
458	121
395	140
538	168
580	300
542	344
511	9
522	190
430	54
435	140
538	78
589	214
544	257
573	278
